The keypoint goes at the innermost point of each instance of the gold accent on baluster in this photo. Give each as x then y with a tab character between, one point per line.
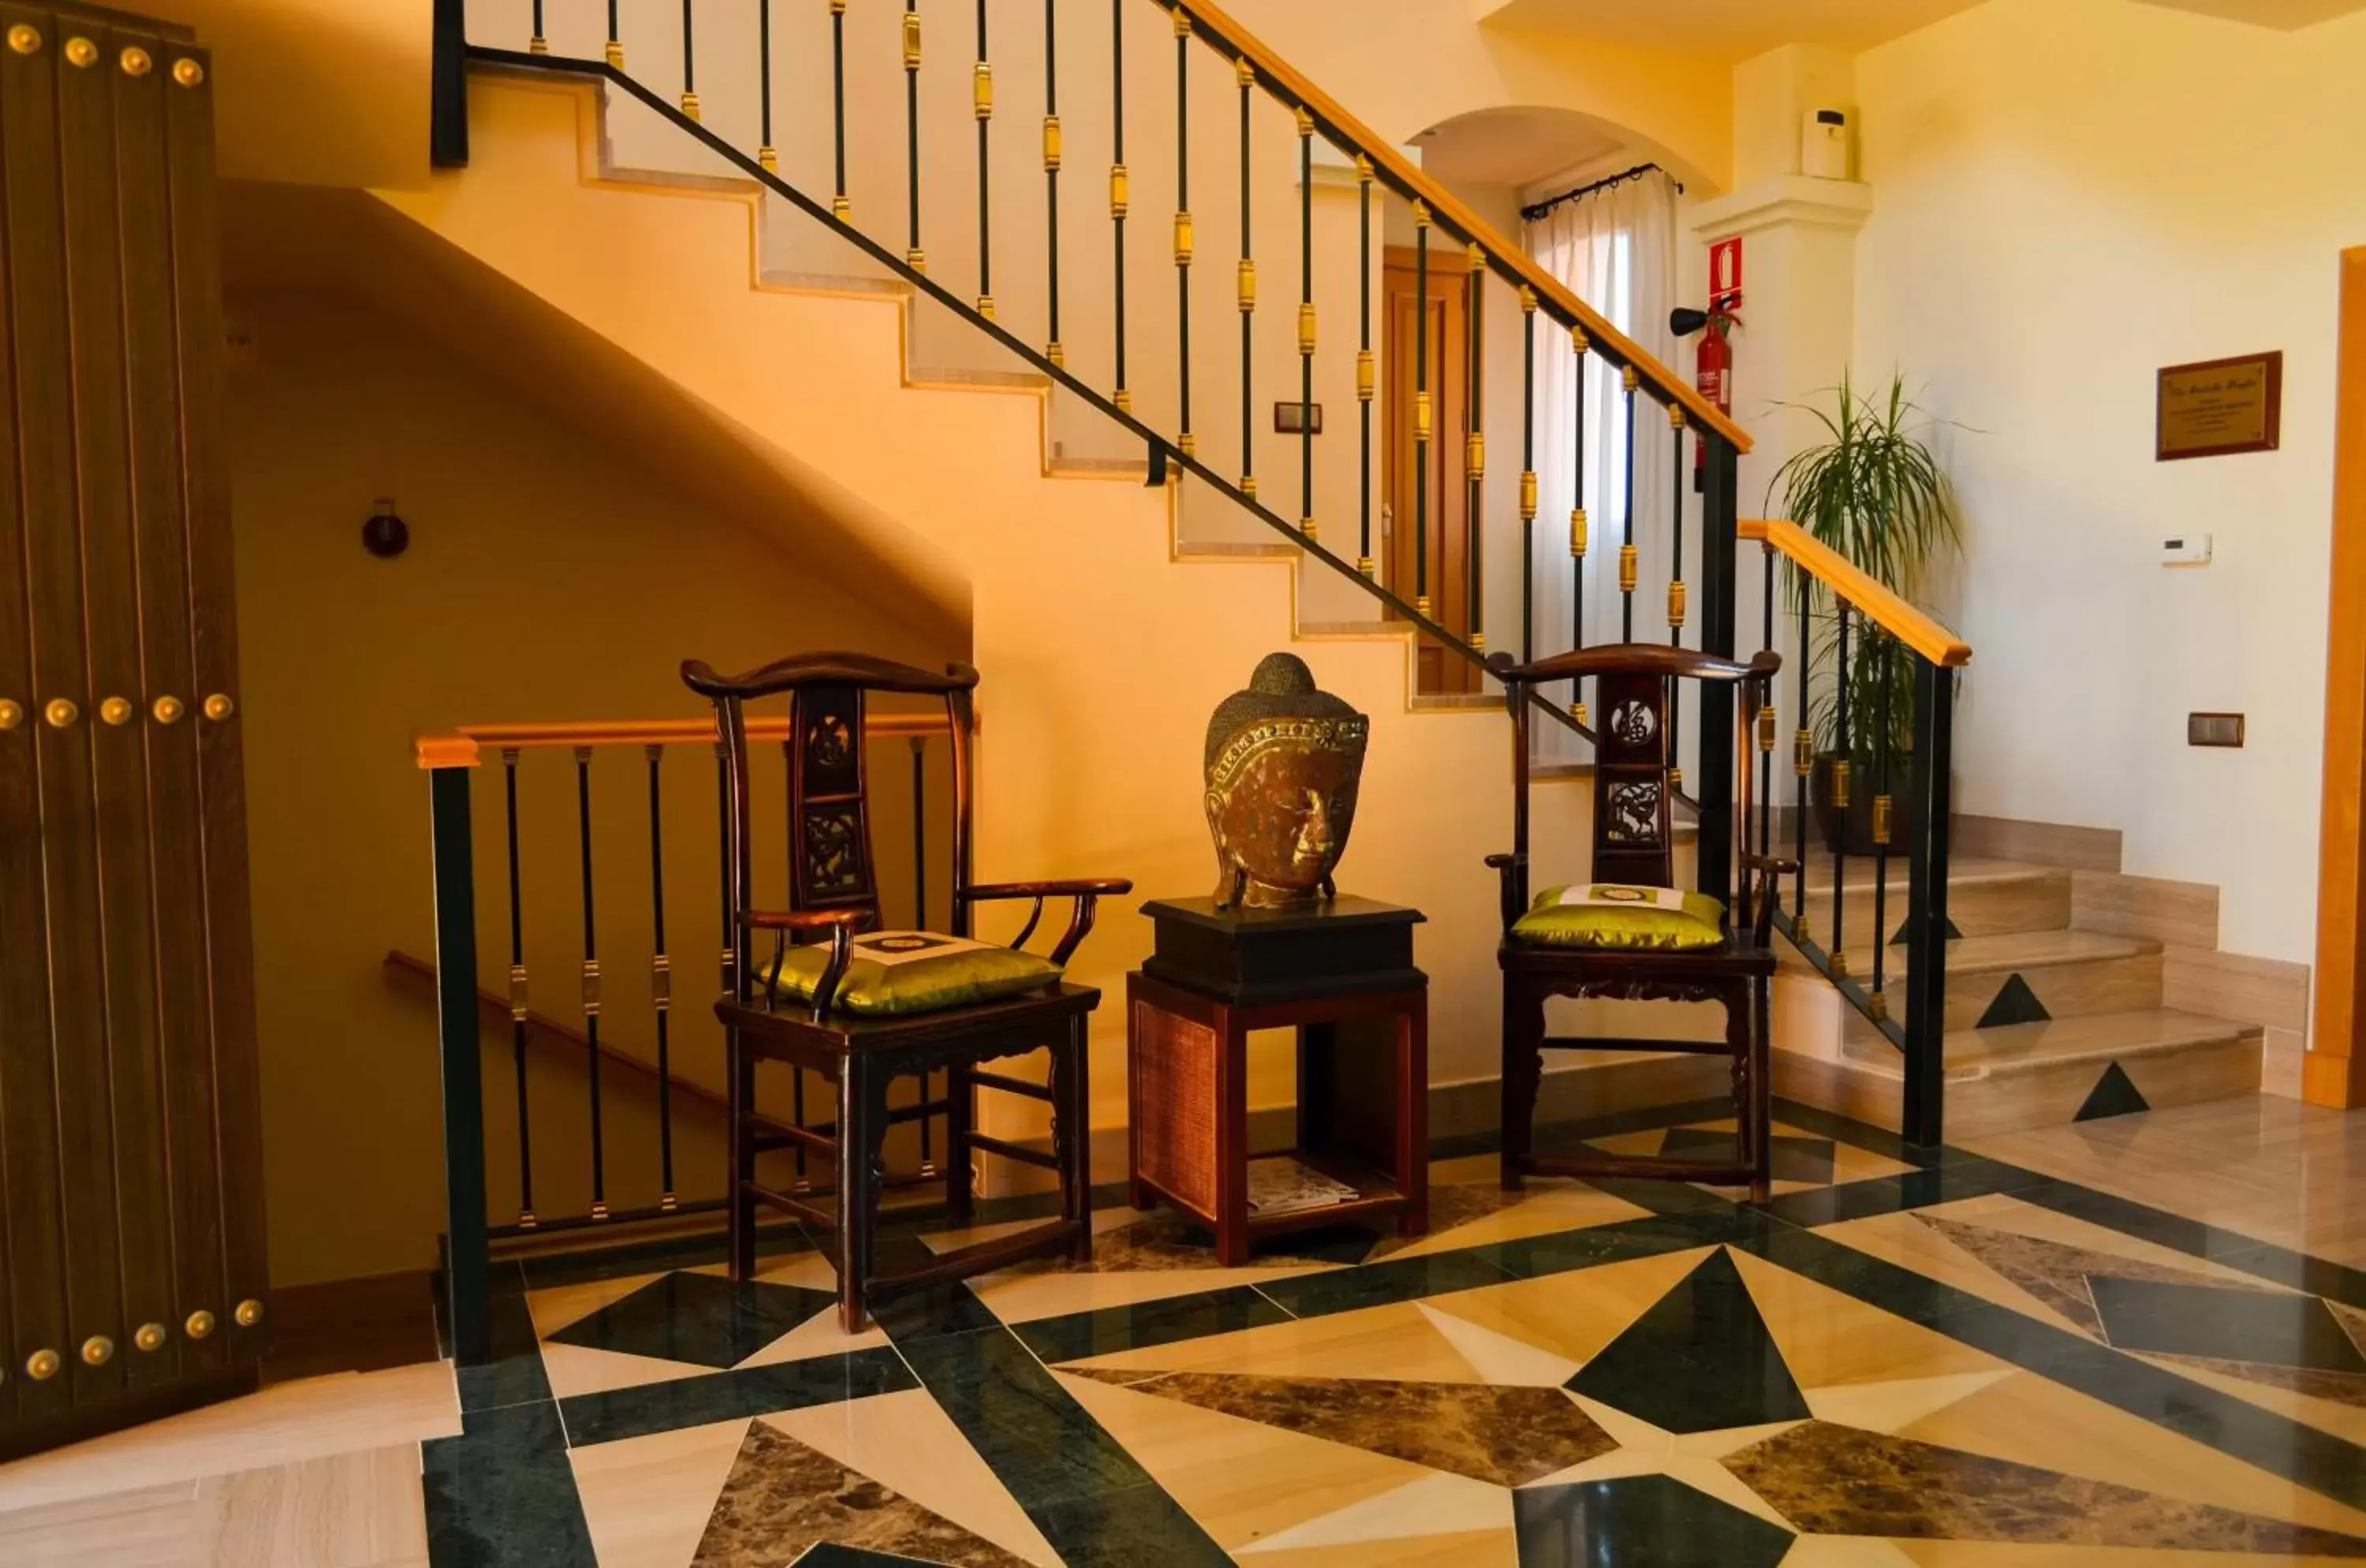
249	1313
1117	191
1630	378
1182	23
1839	792
1803	752
1305	327
150	1336
537	45
1187	444
1478	642
517	993
1421	605
841	209
1528	301
1675	416
917	260
1474	456
1676	780
1578	341
985	306
1244	72
1305	122
1881	819
1420	213
1577	710
115	710
615	54
61	713
1421	416
219	707
1056	355
24	39
1183	239
81	51
97	1350
168	709
1124	400
600	1212
525	1220
1627	568
1363	170
1877	1005
1364	566
1051	144
1528	495
1766	729
911	41
668	1204
1306	526
42	1365
768	160
1840	964
200	1324
1365	374
1247	277
1475	256
1677	605
1578	530
982	90
1249	486
690	106
590	987
1803	931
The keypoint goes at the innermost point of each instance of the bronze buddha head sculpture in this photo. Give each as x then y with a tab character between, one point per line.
1283	760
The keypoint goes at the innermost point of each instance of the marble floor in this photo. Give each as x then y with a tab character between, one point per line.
2135	1341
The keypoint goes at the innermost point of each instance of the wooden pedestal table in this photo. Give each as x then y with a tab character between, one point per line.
1342	976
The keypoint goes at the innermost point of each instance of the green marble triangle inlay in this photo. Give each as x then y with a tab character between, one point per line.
2114	1094
1701	1359
1906	930
2015	1003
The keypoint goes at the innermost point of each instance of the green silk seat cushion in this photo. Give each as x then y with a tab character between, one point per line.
894	972
1612	915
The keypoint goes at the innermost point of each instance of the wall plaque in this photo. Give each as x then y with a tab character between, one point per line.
2221	406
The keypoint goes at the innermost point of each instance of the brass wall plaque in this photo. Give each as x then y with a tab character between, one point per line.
2221	406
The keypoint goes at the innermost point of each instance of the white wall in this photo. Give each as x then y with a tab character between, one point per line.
2070	194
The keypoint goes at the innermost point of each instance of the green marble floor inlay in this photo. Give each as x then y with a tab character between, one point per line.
1699	1360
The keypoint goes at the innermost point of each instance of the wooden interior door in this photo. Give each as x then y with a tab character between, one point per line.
131	1165
1443	529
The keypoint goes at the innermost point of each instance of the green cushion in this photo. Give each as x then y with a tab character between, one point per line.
909	971
1610	915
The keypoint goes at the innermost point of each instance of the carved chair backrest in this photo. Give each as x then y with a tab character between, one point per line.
831	865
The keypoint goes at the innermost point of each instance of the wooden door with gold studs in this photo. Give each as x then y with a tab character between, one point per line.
130	1168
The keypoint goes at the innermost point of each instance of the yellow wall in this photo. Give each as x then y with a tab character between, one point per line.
547	579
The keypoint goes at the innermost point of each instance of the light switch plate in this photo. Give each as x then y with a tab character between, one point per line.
2185	549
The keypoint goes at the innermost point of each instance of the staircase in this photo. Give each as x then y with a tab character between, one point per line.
2044	1022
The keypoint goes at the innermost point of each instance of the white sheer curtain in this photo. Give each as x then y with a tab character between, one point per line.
1617	251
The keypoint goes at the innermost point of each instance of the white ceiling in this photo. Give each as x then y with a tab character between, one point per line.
1736	30
2285	15
1512	146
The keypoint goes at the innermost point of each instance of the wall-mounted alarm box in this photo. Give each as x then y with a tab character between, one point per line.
2185	549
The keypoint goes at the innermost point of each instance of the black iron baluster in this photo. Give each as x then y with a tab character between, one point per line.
982	103
765	156
1627	557
689	76
914	257
1184	440
1246	75
615	50
537	44
1421	407
459	1043
1474	450
1366	376
1766	729
1932	764
1124	395
789	853
661	984
518	997
1677	584
1881	832
1305	322
839	208
1803	754
591	984
1580	524
1527	474
1051	349
1839	791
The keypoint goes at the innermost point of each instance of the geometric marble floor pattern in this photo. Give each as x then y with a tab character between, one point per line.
1905	1359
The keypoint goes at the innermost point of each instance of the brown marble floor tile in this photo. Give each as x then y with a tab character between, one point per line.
782	1498
2055	1273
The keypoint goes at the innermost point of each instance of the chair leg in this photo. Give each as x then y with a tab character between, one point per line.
1524	1065
739	1157
1072	1135
961	1119
862	1122
1761	1069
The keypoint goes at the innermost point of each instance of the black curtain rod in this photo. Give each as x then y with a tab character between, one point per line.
1532	213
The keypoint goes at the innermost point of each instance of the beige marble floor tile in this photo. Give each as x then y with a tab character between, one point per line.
647	1500
1047	1288
2005	1213
1473	1549
1894	1405
1571	1316
905	1442
286	1424
355	1510
1907	1242
1550	1207
2027	1420
1241	1480
1500	1358
1434	1505
555	1307
2345	1421
580	1369
1845	1552
148	1526
817	1335
1829	1338
1397	1343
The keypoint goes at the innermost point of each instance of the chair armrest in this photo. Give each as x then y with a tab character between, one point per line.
1778	866
1770	868
1085	891
1508	870
840	923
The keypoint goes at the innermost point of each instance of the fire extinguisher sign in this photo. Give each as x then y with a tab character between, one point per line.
1725	274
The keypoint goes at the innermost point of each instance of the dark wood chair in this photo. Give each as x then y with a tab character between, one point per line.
1633	845
834	893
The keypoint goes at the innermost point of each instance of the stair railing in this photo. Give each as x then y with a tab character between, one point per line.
596	39
548	878
1866	778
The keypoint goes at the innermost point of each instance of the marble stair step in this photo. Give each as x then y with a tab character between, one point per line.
1985	898
2019	978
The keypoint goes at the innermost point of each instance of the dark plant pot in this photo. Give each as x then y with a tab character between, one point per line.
1850	832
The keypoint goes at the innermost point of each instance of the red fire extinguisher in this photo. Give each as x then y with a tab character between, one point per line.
1713	367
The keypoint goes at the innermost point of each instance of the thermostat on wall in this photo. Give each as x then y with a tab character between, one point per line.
2186	549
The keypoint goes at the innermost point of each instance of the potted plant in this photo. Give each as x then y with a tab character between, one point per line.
1875	493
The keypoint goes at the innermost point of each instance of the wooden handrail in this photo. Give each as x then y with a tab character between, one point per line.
1876	603
1508	258
461	747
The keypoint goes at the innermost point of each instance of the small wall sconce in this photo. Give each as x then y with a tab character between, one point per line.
385	536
